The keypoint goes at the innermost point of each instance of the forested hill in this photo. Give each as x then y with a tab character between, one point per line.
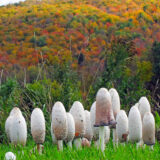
110	43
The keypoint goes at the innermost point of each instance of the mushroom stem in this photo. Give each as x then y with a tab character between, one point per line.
115	138
96	143
60	145
101	138
78	143
69	144
151	147
39	148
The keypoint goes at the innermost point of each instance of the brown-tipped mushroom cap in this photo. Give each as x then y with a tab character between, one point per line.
115	101
144	106
71	128
122	126
38	126
148	129
134	125
77	112
15	110
103	108
88	130
59	121
93	119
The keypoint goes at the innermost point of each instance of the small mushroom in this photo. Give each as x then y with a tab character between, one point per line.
95	130
149	129
38	128
18	128
122	126
77	111
144	106
85	142
10	156
104	114
59	123
88	130
71	129
135	125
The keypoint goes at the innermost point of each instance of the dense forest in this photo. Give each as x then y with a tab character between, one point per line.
66	50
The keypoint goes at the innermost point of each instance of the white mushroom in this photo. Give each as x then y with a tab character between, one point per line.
149	129
77	112
59	123
104	114
71	129
38	128
95	130
135	125
116	108
122	126
18	129
144	106
10	156
88	130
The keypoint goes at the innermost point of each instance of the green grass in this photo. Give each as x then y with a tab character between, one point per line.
126	152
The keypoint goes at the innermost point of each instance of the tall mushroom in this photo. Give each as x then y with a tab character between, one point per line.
77	112
38	128
95	130
135	125
88	130
18	128
122	126
59	123
149	129
144	106
71	129
116	108
103	114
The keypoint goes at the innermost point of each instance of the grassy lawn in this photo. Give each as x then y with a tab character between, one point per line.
126	152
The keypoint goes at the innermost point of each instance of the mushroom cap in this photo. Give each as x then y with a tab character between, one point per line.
95	130
148	129
18	129
15	110
85	142
88	129
115	101
59	121
144	106
38	126
7	126
71	128
77	112
104	115
54	140
10	156
134	125
122	126
106	134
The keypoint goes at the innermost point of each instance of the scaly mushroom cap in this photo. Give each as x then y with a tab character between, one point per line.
144	106
95	130
149	129
38	126
104	115
18	129
71	128
54	140
88	130
115	101
135	125
106	134
122	126
59	121
7	126
77	112
15	110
